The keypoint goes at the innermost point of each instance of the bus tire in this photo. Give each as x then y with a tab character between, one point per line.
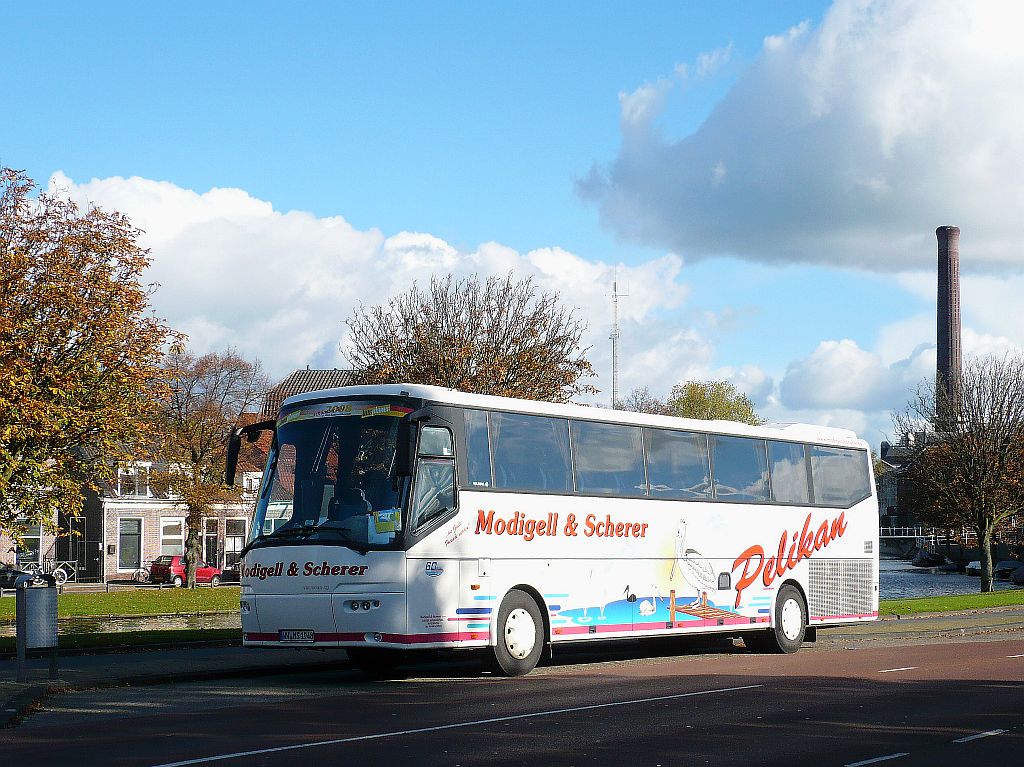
376	662
520	639
790	625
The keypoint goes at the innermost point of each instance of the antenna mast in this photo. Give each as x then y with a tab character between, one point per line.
615	337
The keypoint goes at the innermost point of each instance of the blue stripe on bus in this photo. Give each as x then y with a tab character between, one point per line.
483	599
765	610
556	596
474	611
478	626
555	608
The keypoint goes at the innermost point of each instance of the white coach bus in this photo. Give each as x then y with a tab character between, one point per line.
402	516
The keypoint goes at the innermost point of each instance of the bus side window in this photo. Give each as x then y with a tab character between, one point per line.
740	468
840	476
478	450
435	490
435	476
436	440
531	453
677	464
790	481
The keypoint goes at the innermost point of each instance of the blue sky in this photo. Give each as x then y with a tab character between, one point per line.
762	174
391	115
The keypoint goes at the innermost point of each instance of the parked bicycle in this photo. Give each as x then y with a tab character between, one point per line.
141	575
62	571
35	570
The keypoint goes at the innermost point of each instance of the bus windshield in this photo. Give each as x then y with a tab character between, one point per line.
330	478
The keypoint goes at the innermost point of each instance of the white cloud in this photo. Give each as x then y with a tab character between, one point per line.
712	61
843	144
750	380
844	385
838	374
279	286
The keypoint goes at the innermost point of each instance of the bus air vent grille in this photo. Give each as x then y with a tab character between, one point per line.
840	587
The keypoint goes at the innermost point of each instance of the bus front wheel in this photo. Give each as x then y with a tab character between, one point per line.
520	639
790	625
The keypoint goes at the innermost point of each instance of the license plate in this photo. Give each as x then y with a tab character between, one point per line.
296	635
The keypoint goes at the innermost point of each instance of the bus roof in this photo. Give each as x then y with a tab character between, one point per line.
438	394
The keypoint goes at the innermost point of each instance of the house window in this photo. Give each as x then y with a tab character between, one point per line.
234	540
133	481
129	544
252	482
210	541
172	536
30	550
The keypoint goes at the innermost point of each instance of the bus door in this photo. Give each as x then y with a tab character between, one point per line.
433	578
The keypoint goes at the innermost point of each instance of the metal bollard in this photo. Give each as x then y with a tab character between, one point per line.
36	620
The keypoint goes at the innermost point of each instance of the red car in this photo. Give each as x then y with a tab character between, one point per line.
168	569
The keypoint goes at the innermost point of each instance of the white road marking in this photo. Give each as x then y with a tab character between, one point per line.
890	670
1016	656
877	759
436	728
979	735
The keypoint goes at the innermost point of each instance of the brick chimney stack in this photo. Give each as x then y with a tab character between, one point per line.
947	335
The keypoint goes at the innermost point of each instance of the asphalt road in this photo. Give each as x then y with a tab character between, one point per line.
930	704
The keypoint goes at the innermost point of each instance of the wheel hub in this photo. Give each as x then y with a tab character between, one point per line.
792	619
520	633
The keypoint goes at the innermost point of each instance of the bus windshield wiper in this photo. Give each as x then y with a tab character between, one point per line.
287	532
361	548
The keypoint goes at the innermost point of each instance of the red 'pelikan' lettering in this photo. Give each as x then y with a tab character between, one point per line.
802	547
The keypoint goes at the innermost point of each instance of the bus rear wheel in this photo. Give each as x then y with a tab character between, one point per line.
790	625
520	639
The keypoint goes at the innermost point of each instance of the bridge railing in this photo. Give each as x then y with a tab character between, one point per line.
929	534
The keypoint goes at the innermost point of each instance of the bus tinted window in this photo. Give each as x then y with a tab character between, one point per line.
609	458
740	469
436	440
677	464
478	452
531	452
789	472
840	476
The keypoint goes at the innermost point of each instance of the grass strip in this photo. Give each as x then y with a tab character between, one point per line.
955	603
138	602
134	639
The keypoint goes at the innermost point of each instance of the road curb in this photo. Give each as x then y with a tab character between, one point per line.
20	703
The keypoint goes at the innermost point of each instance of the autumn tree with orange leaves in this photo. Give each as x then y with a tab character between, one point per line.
202	401
79	351
969	471
499	336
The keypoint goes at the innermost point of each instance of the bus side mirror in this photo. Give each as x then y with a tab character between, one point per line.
405	449
231	463
252	434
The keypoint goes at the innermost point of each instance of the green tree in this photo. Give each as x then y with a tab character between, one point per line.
497	337
971	473
79	351
704	400
203	400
